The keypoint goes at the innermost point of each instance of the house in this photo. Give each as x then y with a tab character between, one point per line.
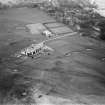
33	49
47	33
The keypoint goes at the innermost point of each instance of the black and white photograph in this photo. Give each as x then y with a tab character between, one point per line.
52	52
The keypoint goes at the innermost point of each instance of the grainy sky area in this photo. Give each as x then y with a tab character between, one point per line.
101	3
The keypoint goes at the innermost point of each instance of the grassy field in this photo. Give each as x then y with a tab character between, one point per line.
73	73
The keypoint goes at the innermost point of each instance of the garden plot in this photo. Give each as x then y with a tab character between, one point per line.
53	24
57	28
61	30
36	28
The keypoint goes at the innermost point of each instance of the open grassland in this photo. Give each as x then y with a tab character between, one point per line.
73	74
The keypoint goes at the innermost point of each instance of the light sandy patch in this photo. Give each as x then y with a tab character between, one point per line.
36	28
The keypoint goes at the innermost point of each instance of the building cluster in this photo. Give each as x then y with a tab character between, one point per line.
76	14
34	50
70	14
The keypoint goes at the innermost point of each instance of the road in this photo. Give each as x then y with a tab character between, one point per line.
59	37
73	74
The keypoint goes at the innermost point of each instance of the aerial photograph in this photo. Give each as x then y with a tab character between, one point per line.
52	52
